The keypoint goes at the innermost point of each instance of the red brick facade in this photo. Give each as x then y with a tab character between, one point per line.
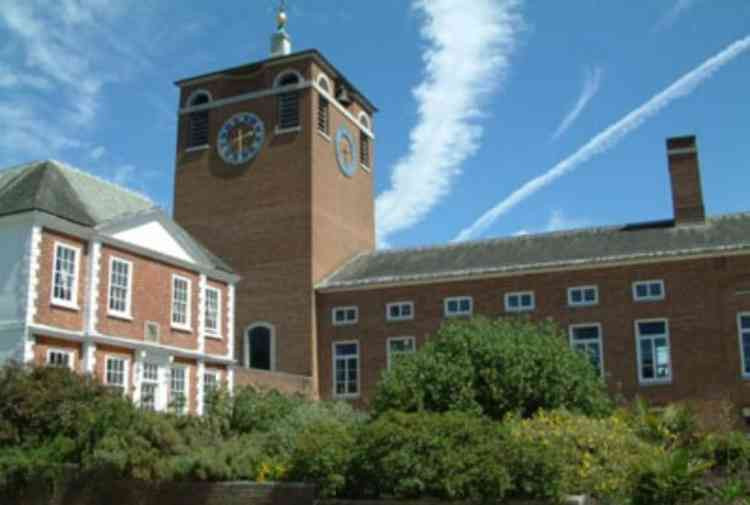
702	300
274	217
76	329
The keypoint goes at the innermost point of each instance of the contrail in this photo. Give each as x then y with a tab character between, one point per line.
590	87
608	138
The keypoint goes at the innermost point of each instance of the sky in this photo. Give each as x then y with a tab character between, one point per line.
496	117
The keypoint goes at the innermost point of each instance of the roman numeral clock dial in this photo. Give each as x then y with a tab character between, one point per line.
240	138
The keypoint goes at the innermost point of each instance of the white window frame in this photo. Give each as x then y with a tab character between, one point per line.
359	368
212	332
71	356
583	302
61	302
127	313
388	306
155	382
214	373
520	295
638	338
186	370
458	299
396	339
125	372
745	374
345	308
599	340
649	297
187	326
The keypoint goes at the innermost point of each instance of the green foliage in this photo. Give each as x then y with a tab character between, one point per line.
673	426
449	455
597	456
672	478
734	491
254	410
494	368
730	451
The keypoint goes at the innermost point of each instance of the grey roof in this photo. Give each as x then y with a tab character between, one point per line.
548	250
74	195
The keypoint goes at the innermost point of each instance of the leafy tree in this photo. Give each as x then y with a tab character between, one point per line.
494	368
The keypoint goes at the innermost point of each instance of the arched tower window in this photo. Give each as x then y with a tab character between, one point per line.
323	109
198	120
364	141
260	347
288	101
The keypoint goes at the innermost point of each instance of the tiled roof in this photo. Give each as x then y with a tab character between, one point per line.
74	195
591	246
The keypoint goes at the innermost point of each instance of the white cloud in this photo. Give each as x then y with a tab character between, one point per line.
591	83
610	136
97	153
467	57
674	12
557	221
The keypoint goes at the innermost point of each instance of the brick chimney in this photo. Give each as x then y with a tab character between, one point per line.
687	196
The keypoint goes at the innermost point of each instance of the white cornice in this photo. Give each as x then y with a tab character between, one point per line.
80	336
244	97
55	223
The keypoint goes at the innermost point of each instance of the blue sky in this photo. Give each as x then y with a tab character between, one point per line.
476	99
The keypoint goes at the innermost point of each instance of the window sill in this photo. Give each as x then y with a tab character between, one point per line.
399	319
123	317
212	336
293	129
324	135
182	329
648	300
346	324
578	305
65	305
346	397
519	311
662	382
197	148
455	316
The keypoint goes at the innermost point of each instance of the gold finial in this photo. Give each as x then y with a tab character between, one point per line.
281	16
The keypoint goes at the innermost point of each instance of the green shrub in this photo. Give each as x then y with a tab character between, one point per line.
729	451
597	456
448	455
673	426
254	410
672	478
494	367
322	453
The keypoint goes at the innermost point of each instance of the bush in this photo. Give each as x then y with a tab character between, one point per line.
449	455
672	478
494	367
673	426
254	410
594	456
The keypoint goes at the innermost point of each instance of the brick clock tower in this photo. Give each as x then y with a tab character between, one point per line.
274	173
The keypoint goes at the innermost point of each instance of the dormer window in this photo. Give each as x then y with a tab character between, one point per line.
288	101
198	120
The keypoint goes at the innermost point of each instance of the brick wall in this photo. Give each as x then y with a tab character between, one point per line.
47	312
282	382
97	491
701	305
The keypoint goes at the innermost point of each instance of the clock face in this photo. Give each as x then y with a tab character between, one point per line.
240	138
346	152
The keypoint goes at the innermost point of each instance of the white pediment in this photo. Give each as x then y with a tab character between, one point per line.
154	236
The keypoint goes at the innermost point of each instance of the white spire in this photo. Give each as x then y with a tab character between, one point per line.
281	43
